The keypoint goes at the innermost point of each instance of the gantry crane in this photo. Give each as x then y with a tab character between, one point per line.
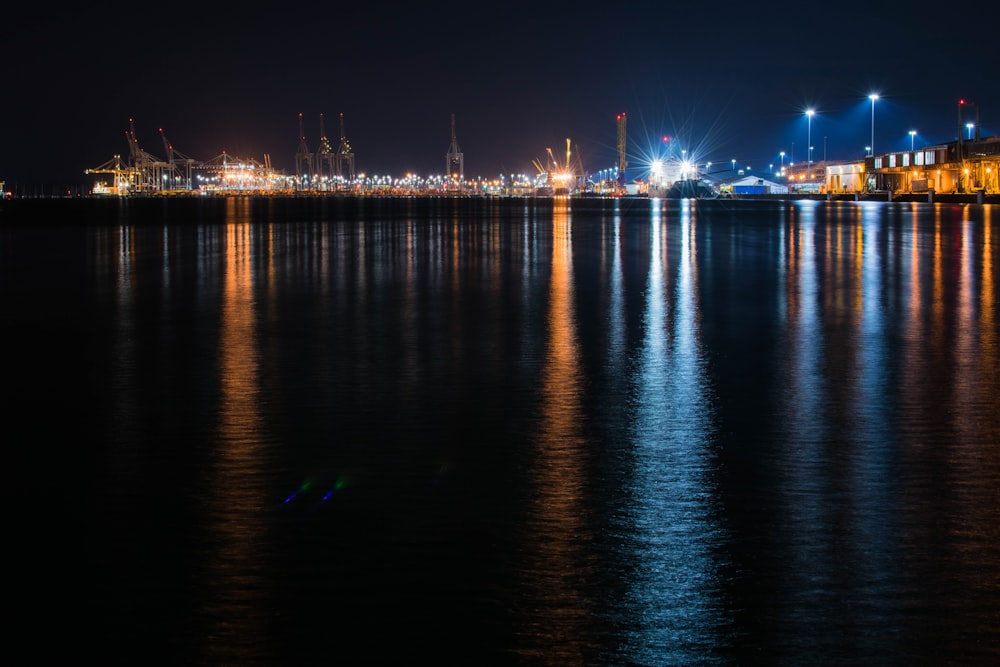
345	156
123	176
325	159
179	165
303	158
147	170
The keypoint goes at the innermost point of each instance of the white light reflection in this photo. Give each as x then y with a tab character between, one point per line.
803	418
670	527
127	412
805	400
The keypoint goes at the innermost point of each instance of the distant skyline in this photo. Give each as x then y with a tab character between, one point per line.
727	81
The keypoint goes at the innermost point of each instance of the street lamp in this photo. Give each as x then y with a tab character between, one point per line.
782	154
913	133
809	115
873	97
969	127
734	165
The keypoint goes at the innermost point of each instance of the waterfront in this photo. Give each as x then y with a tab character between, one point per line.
622	432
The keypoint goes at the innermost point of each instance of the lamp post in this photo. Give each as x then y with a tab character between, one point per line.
913	133
734	166
969	127
873	97
782	154
809	115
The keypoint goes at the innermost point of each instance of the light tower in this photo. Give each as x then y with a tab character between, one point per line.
873	97
345	156
303	158
809	114
455	159
621	152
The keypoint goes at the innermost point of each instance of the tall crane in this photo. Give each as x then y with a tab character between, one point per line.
147	169
325	159
621	152
303	158
345	156
175	161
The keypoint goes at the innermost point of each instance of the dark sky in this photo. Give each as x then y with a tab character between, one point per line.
725	81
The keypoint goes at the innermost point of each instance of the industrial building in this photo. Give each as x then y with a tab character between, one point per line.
962	166
966	166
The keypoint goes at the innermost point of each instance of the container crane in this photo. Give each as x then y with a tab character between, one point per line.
325	159
175	161
345	156
303	158
149	171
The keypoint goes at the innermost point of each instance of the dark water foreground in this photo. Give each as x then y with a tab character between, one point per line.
250	431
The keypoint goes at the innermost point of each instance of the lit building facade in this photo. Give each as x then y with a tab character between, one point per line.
959	167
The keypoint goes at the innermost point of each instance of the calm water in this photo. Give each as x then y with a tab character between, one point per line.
506	432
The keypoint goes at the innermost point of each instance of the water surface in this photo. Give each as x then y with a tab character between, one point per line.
612	432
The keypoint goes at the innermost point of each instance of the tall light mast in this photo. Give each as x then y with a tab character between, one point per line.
621	151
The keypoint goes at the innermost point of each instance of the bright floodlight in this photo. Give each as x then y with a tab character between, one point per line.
873	97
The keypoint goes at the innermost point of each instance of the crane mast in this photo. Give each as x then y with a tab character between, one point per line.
303	158
621	152
345	156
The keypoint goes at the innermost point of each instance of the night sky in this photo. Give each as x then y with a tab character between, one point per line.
724	81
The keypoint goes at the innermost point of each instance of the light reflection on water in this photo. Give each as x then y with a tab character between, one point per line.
556	568
235	567
672	432
669	529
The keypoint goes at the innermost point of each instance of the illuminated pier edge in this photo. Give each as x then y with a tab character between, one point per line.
965	166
